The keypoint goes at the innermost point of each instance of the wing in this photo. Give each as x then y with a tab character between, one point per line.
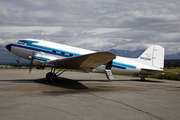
84	62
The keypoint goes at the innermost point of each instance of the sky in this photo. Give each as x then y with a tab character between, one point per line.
93	24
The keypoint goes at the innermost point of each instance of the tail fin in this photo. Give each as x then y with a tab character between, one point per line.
153	56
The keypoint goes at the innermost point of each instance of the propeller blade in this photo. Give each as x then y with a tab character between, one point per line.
31	64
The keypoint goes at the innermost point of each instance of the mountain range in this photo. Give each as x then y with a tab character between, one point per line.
7	57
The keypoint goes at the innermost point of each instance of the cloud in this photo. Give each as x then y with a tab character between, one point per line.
95	24
102	31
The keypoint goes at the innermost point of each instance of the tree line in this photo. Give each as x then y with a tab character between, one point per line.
171	65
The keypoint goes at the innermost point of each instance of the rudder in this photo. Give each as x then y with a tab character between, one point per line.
158	56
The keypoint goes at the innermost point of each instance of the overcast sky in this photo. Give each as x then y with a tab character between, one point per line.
93	24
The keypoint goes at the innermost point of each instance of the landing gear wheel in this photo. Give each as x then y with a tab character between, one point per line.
143	78
50	77
53	78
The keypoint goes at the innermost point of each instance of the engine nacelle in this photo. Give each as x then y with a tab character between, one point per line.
40	67
39	64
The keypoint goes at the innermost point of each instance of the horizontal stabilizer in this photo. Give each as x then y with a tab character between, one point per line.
149	71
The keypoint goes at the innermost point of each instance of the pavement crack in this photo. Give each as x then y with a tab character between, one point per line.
144	112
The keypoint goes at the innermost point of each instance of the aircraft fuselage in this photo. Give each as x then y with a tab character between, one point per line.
45	51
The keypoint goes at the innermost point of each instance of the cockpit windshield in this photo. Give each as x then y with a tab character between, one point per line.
20	41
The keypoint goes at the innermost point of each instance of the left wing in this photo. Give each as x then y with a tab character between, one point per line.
84	62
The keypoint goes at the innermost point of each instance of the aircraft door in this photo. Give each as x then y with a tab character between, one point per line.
109	65
108	70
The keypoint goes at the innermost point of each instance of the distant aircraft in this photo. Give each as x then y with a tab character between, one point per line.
43	54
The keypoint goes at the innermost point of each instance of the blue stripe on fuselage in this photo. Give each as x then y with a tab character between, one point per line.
41	58
120	67
45	50
124	65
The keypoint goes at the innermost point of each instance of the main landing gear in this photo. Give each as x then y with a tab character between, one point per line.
142	78
52	76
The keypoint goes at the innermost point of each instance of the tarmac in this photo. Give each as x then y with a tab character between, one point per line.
86	96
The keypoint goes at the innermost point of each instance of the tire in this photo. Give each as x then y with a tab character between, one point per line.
53	78
50	77
143	78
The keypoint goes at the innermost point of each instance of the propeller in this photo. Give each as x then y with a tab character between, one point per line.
31	64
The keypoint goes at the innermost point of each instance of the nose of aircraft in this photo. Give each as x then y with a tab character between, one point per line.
8	47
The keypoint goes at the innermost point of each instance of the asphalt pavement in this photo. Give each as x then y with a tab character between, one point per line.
86	96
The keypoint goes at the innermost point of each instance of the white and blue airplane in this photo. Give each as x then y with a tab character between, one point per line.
43	54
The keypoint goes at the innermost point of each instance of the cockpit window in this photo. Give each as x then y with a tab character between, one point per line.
25	43
20	41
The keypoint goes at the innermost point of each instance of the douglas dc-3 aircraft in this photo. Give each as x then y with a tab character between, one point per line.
43	54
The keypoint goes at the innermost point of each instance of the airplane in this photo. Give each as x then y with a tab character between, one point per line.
43	54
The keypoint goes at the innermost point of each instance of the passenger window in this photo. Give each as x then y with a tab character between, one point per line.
62	53
71	55
54	51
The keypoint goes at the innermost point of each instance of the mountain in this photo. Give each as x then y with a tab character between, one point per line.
127	53
173	56
7	57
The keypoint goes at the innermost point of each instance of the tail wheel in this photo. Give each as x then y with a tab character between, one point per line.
143	78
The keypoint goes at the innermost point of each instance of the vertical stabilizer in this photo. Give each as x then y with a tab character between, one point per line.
153	56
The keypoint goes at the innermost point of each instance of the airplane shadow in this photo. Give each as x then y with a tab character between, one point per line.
64	83
137	80
70	83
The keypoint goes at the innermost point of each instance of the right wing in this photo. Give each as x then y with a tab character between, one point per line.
84	62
